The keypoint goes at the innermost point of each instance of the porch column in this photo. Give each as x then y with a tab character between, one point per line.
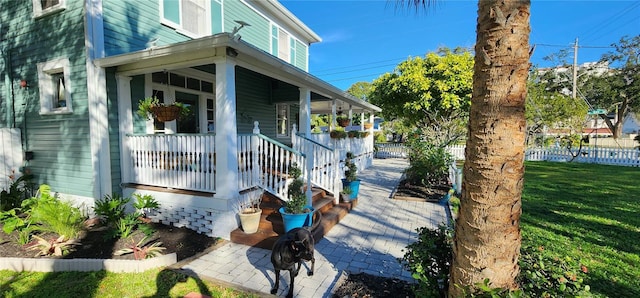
125	121
362	121
333	123
305	126
226	130
305	111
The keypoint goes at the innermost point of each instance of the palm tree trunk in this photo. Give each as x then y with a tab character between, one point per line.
487	236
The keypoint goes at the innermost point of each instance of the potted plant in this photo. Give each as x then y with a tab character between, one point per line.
350	178
295	212
343	120
352	133
367	125
345	194
151	108
338	134
250	213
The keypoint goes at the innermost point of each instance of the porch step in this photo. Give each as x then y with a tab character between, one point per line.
271	225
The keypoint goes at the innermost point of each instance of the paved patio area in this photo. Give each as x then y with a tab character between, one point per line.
369	239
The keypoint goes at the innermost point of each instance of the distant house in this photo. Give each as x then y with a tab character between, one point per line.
631	124
73	73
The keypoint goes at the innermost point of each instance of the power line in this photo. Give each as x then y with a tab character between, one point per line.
607	23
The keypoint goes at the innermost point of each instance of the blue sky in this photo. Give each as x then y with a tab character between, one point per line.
363	39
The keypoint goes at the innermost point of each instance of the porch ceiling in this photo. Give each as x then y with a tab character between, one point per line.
208	49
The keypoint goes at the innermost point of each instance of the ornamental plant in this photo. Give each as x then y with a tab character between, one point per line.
145	107
297	199
350	168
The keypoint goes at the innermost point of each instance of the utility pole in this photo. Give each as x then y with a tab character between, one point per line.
575	69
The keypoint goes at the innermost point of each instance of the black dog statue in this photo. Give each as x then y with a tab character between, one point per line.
291	249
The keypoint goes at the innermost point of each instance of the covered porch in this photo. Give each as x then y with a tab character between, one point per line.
249	123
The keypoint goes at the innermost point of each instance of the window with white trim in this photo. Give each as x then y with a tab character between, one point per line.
54	85
189	17
282	116
283	45
45	7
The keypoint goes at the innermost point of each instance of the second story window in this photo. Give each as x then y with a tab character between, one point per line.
281	44
189	17
45	7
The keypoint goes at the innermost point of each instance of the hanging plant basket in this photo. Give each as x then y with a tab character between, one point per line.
166	113
368	125
344	122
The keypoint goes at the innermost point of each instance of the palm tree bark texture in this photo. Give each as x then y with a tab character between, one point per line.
487	233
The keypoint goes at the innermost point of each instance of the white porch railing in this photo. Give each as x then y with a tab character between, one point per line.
362	148
325	172
171	160
266	163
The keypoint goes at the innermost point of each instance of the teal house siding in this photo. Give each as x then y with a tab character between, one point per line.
60	143
114	127
256	97
258	34
130	26
302	52
253	102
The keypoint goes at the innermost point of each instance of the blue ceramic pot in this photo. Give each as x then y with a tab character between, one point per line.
292	221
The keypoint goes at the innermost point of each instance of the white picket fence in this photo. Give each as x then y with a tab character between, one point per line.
609	156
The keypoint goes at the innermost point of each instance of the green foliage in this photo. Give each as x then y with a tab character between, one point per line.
297	199
433	93
144	203
146	105
428	164
125	226
547	106
57	216
44	212
351	169
361	90
544	276
338	134
379	137
111	208
428	259
18	191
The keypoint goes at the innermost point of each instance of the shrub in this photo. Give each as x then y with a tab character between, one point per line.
351	169
428	260
18	191
542	275
428	164
58	217
111	208
297	199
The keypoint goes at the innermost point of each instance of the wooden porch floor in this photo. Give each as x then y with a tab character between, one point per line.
271	226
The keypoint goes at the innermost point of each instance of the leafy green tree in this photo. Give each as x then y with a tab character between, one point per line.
617	90
361	90
548	107
433	93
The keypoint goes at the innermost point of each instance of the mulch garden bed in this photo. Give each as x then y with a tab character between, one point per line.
96	243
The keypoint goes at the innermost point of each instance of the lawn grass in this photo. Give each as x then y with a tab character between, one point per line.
152	283
590	213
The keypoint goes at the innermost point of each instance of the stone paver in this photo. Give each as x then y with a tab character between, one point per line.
369	239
